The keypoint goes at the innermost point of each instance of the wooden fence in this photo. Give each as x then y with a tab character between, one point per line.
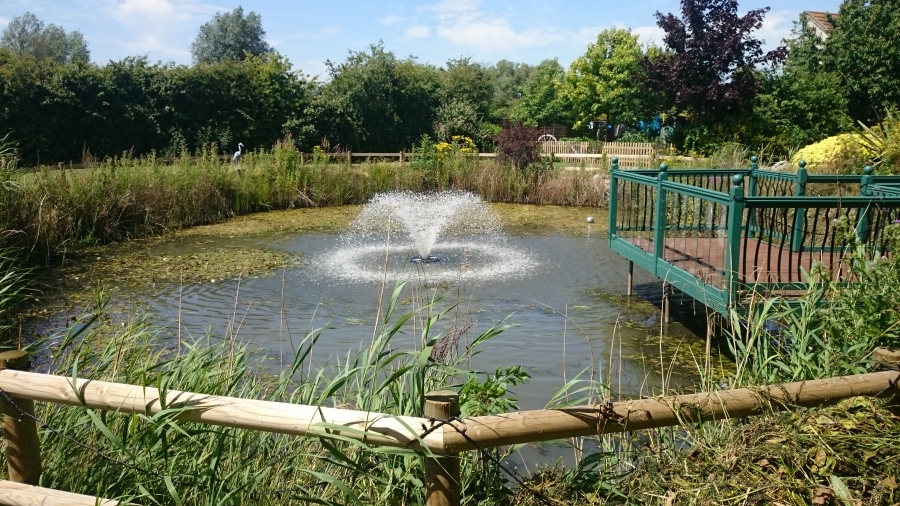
440	439
630	154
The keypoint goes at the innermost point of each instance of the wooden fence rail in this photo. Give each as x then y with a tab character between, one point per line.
19	494
443	444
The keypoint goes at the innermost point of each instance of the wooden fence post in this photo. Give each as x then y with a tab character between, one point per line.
401	158
349	158
23	448
442	481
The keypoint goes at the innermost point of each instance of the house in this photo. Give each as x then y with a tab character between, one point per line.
820	22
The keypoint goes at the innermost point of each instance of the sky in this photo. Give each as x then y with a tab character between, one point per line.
309	33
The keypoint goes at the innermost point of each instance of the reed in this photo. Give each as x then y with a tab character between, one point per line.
52	212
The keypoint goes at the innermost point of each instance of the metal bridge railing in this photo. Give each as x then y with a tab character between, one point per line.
714	233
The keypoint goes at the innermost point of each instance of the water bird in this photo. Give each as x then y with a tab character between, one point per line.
237	154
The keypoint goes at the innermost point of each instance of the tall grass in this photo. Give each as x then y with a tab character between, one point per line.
55	211
832	329
191	463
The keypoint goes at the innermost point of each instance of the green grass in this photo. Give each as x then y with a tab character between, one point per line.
53	212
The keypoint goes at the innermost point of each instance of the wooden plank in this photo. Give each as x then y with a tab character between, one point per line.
252	414
550	424
18	494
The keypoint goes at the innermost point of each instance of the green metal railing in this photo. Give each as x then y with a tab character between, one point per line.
716	233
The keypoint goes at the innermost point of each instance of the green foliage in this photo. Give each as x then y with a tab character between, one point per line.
230	36
796	108
459	117
64	113
602	82
463	80
491	396
833	328
377	102
883	141
862	50
541	103
26	35
509	79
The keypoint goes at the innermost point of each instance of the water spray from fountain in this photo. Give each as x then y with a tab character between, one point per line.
455	235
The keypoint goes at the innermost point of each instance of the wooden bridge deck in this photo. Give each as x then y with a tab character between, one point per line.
761	261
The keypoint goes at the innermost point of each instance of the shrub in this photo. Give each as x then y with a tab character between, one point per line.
833	150
517	144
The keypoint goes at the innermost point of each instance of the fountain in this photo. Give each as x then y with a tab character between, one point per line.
446	235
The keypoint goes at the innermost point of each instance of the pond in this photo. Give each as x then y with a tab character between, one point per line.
544	270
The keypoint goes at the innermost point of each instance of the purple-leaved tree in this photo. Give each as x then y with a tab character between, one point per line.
708	68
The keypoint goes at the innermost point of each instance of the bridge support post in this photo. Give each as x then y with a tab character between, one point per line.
800	213
666	304
733	253
630	278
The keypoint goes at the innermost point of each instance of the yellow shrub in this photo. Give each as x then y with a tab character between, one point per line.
459	145
843	147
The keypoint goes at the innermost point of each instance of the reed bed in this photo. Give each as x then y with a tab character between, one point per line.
51	212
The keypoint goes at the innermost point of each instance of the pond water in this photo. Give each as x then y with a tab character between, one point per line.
547	272
553	280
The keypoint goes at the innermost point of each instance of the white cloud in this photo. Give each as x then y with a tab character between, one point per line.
3	21
465	23
777	25
418	32
154	23
393	19
649	34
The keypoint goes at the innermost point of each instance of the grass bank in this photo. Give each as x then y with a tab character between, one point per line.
52	212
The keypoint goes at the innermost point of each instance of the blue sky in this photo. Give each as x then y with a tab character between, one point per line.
309	33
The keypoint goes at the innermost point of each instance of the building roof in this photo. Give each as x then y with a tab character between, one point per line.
821	19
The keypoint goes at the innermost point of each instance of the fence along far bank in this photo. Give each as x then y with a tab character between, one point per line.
630	154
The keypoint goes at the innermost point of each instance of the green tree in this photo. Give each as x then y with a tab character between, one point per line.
862	50
230	36
463	80
602	81
26	35
541	103
801	101
508	79
377	102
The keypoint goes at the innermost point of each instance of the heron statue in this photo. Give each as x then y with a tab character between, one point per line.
237	154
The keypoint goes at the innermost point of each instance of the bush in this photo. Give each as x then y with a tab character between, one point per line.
833	151
517	144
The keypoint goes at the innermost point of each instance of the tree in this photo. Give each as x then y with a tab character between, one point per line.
709	70
602	82
862	50
378	102
463	80
507	78
541	103
228	36
26	35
